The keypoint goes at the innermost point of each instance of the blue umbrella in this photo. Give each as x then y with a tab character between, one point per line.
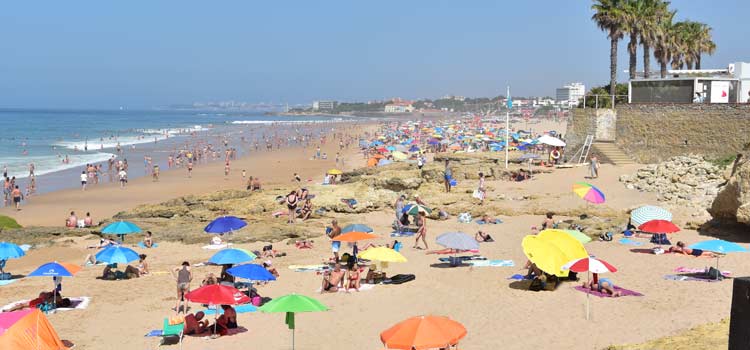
116	254
384	162
433	142
251	272
719	246
10	251
121	228
391	148
357	228
225	224
458	241
231	256
414	148
52	269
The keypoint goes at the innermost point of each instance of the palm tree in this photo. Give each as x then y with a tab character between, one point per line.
642	16
610	17
664	41
704	44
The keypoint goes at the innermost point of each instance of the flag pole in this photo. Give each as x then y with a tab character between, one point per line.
507	126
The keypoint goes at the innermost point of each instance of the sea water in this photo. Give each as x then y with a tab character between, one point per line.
61	142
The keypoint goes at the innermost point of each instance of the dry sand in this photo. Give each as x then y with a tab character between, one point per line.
496	314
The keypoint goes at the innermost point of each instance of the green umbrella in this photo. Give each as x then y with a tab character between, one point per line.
580	236
290	304
414	209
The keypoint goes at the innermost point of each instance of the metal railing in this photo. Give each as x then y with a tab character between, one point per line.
604	101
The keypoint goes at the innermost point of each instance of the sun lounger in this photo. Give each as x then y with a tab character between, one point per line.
623	292
170	334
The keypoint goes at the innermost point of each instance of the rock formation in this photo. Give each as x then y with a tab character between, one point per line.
733	201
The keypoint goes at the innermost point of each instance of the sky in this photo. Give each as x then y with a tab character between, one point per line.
145	53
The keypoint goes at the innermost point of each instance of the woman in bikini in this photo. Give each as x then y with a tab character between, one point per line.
682	249
306	210
421	231
353	278
291	204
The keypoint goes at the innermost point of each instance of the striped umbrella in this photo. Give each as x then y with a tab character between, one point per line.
647	213
588	192
588	265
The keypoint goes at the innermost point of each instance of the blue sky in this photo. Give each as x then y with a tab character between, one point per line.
144	53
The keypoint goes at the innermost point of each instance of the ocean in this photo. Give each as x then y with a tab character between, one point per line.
61	142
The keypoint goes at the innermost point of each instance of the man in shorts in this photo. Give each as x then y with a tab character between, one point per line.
84	180
333	281
334	232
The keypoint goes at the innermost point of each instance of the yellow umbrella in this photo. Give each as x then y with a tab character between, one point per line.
569	245
547	257
382	254
335	172
397	155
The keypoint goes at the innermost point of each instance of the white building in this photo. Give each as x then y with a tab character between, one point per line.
324	105
570	94
399	107
725	85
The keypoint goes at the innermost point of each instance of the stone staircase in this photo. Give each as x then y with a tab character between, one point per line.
608	152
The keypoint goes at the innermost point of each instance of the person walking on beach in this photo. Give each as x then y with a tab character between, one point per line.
291	204
447	176
421	231
333	232
84	180
190	167
481	191
184	276
123	176
594	166
17	196
226	170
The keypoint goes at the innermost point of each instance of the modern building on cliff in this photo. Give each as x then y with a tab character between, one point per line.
570	94
399	107
324	105
728	85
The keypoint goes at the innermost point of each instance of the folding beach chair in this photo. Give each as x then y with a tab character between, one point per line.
172	334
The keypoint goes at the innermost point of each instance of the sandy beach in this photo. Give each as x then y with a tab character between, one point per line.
497	312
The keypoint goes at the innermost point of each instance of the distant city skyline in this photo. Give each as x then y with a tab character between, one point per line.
145	54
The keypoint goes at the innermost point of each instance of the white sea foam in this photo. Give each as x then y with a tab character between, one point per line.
334	120
19	166
145	136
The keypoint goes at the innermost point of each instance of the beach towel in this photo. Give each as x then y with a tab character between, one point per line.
76	303
464	258
683	269
216	246
362	288
623	292
496	263
496	221
518	277
402	234
25	247
240	309
628	241
309	268
7	282
474	251
155	333
689	278
140	244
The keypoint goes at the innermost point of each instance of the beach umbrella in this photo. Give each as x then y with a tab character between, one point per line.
335	172
382	254
231	256
646	213
568	244
291	304
121	228
28	329
551	141
457	241
116	254
719	246
10	251
251	272
659	226
356	227
588	192
588	265
414	209
399	155
547	257
217	294
433	142
57	271
354	236
224	224
390	148
423	332
384	162
578	235
414	148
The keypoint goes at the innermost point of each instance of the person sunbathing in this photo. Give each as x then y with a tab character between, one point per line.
269	267
483	237
602	285
53	298
489	220
194	324
445	251
225	322
333	280
103	243
304	244
682	249
148	241
353	280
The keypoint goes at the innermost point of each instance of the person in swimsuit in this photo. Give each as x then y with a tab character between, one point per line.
225	322
333	280
682	249
291	204
421	231
190	167
194	324
88	221
602	285
306	210
483	237
353	279
548	222
17	196
184	276
332	234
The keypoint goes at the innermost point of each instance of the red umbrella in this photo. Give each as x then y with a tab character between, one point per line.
590	264
217	294
659	226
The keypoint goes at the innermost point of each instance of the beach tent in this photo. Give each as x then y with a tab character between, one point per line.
28	329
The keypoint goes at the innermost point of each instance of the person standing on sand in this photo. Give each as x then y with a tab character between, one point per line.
291	204
84	180
17	196
123	176
447	176
481	190
190	167
226	170
421	231
184	276
333	232
594	166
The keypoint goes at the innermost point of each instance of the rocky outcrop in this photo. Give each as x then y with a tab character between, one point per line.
683	180
733	201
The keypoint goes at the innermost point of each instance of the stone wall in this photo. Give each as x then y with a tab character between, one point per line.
651	133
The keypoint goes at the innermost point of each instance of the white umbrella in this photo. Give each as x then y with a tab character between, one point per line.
551	141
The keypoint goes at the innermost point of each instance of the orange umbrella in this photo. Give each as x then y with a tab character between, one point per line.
423	332
372	162
355	236
378	156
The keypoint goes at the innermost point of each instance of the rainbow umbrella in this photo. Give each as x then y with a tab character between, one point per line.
588	192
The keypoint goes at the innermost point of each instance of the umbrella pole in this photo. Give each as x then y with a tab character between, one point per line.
293	330
588	295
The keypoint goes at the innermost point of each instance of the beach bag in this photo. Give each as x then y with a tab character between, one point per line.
464	218
477	194
714	274
453	182
256	300
5	276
